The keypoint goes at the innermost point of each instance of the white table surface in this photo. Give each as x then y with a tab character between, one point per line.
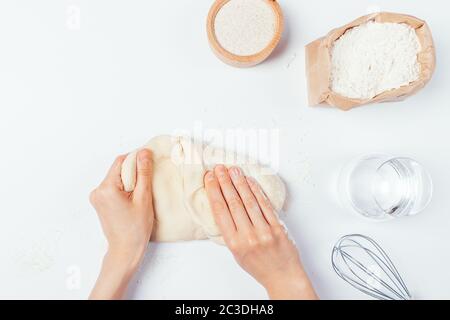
72	97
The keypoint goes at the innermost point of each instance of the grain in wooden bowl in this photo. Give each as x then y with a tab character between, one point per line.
243	33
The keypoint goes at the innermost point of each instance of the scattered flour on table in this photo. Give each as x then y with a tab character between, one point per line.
373	58
38	254
245	27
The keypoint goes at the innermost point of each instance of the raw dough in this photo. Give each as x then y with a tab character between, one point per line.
181	206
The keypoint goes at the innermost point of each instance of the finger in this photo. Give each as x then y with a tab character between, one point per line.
249	200
144	175
264	202
222	215
113	175
234	202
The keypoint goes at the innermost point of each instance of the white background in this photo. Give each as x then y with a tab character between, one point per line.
72	98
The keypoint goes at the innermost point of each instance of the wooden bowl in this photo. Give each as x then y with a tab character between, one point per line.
237	60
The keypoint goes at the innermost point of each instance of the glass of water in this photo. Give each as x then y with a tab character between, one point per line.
382	187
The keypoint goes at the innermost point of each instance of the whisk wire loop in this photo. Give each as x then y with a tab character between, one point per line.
353	259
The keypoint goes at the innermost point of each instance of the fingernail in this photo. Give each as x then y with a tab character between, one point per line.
220	170
235	172
144	159
251	181
209	176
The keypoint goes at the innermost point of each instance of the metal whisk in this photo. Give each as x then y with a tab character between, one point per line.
362	263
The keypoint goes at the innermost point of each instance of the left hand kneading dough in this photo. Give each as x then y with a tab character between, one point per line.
181	206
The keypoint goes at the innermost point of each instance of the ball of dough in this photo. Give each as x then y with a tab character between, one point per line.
181	206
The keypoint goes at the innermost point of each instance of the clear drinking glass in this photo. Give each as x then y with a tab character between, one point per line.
381	186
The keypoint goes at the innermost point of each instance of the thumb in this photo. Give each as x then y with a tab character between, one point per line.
144	174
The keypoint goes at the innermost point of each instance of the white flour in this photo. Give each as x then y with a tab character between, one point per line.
245	27
374	57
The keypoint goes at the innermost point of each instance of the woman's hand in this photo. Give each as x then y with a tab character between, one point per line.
127	221
254	234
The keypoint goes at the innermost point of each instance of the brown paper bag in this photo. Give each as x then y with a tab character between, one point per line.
318	63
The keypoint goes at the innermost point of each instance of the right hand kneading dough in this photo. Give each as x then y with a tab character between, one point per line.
181	206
